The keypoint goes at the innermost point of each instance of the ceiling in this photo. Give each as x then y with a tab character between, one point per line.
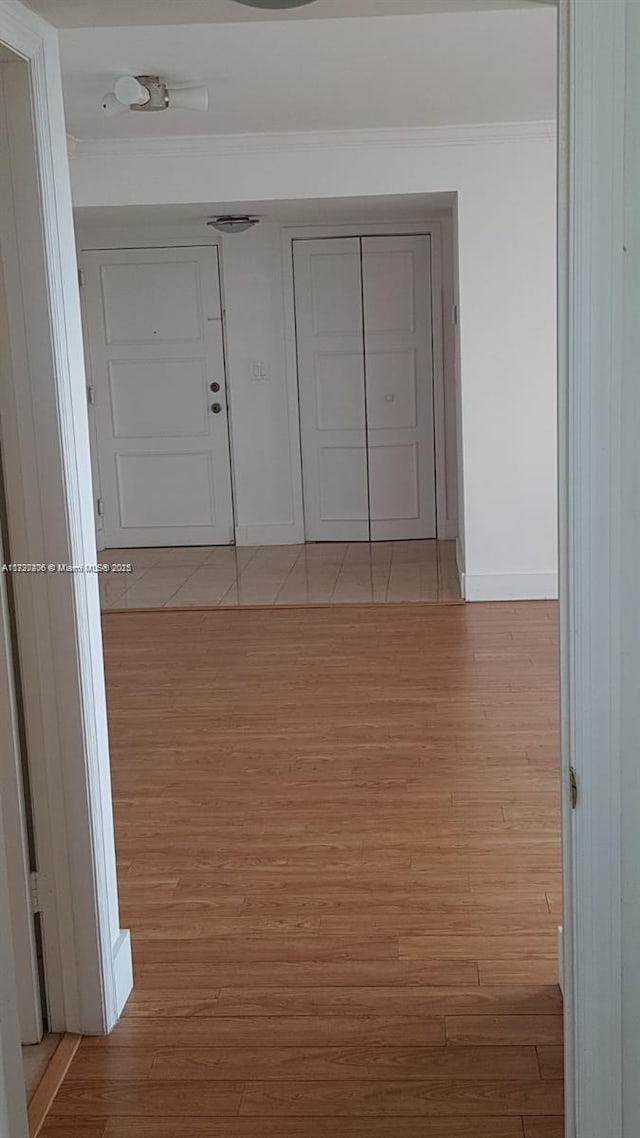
310	211
303	75
122	13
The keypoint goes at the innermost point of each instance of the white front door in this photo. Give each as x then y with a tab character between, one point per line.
156	356
365	368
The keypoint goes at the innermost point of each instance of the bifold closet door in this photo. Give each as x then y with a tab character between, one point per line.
396	289
365	368
328	295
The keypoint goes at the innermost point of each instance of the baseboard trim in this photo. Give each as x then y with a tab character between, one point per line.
460	567
510	586
561	958
50	1083
122	970
287	533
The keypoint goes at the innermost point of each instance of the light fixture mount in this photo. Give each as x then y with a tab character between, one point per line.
233	223
151	93
158	93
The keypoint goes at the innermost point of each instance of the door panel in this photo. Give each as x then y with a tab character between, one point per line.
154	321
328	291
396	277
365	366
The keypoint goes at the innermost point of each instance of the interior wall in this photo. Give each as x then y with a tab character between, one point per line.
504	177
260	329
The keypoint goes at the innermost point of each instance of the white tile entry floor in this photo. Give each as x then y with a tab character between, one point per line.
341	573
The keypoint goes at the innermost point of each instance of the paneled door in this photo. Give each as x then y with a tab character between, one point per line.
328	299
365	372
396	289
156	357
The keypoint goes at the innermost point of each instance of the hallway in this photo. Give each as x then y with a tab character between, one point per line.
338	840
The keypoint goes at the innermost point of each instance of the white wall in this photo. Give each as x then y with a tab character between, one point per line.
504	176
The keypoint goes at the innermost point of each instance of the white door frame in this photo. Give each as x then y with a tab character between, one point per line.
69	656
591	163
13	803
48	483
446	526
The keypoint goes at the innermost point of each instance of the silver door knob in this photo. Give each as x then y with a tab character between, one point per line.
216	408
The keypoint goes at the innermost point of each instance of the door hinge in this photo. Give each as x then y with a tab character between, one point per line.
100	507
81	278
573	788
34	892
91	396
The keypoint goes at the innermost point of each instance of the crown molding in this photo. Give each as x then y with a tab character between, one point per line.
215	146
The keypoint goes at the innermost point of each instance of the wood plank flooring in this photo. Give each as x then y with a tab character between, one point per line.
338	845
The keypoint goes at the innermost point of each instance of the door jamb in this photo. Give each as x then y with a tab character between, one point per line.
591	167
48	481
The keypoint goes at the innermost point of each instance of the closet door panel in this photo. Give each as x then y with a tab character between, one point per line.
328	297
399	387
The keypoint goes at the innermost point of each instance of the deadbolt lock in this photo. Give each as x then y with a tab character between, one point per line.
216	408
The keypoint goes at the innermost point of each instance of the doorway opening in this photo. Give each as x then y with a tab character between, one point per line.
392	394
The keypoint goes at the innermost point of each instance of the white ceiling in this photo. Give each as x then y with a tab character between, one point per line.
333	211
304	75
121	13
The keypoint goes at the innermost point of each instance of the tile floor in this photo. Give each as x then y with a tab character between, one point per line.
345	573
35	1060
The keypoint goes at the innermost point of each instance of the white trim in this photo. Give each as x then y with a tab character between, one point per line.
13	1112
510	586
277	534
591	253
213	146
122	971
460	567
447	526
60	636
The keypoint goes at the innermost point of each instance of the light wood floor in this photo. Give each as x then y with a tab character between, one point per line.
339	854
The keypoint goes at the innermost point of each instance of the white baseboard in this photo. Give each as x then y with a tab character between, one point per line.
561	958
510	586
122	971
460	566
287	533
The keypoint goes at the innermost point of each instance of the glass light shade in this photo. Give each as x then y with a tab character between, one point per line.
274	5
238	224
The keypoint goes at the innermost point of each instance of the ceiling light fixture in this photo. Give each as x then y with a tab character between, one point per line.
233	223
274	5
150	93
